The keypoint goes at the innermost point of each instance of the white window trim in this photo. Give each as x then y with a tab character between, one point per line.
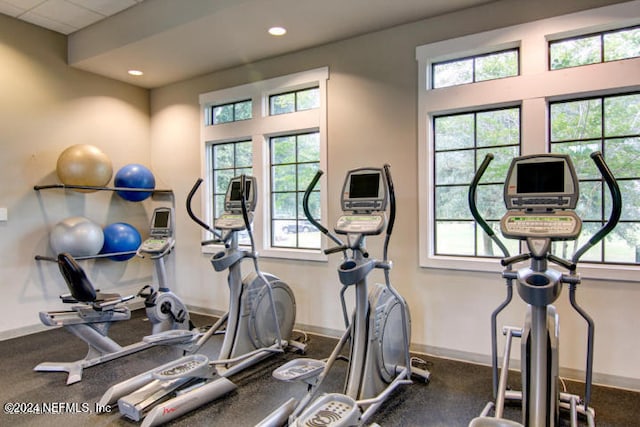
532	89
259	129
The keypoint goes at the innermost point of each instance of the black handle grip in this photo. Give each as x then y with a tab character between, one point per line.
193	216
211	242
307	212
473	187
305	202
514	259
335	249
243	202
392	212
569	265
392	199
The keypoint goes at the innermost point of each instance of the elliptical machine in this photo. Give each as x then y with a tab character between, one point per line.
540	193
379	360
258	325
95	313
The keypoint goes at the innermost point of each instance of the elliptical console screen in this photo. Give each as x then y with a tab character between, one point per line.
547	177
233	198
541	182
235	191
364	185
364	190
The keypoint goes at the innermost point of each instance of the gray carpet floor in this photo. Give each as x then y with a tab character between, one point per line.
456	393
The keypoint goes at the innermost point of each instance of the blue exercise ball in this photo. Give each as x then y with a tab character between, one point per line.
121	237
134	176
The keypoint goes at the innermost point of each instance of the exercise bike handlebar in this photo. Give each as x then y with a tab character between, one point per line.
474	208
616	206
305	207
192	215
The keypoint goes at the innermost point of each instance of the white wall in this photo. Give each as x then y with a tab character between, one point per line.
372	119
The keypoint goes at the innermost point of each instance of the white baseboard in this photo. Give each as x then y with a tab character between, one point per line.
606	380
25	330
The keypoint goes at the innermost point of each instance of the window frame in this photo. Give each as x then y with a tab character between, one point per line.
295	94
259	129
474	149
600	35
210	114
474	59
296	192
533	89
605	142
213	169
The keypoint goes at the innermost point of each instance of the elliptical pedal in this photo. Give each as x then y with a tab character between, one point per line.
299	370
196	365
189	371
172	336
331	410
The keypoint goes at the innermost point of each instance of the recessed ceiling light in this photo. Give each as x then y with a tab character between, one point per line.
277	31
135	72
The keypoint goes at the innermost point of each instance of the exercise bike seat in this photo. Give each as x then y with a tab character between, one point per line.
80	286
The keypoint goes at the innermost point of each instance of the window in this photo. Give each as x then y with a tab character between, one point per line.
609	124
275	130
495	65
575	110
461	142
230	112
290	102
228	160
294	162
594	48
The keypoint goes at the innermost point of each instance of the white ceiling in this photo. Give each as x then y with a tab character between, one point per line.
64	16
172	40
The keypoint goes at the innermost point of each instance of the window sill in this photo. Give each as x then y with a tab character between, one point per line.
606	272
280	253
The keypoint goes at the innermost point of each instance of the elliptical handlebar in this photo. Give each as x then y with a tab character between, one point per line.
245	212
192	215
392	209
392	198
616	208
243	201
313	221
506	262
474	208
